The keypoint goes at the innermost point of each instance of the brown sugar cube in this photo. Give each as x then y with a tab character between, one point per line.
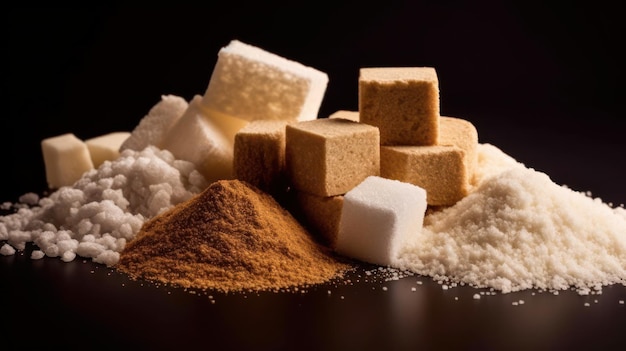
321	214
346	114
463	134
259	154
439	169
329	156
403	102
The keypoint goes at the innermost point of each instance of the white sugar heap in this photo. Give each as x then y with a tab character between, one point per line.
519	230
104	209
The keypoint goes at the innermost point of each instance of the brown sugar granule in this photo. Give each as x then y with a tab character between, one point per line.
230	237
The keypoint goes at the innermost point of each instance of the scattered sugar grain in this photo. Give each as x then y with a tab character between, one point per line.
476	297
621	302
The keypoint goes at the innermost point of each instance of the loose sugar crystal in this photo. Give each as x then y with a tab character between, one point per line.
153	127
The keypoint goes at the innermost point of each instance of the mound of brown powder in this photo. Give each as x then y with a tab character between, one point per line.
230	237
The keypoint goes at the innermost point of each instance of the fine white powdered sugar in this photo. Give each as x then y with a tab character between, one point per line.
97	215
519	230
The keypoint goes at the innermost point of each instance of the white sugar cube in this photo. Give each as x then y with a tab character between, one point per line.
106	147
152	127
379	215
228	125
66	159
253	84
196	139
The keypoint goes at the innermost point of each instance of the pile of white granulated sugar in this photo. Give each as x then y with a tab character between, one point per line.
519	230
104	209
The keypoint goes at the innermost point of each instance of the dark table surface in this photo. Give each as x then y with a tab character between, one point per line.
542	84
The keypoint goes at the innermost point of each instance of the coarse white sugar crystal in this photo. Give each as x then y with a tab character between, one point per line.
19	238
476	297
107	257
29	198
153	127
621	302
37	254
519	230
7	250
106	207
68	256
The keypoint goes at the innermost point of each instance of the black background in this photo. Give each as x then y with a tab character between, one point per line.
517	71
543	83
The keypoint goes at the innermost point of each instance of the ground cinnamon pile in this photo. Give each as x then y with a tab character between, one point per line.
230	237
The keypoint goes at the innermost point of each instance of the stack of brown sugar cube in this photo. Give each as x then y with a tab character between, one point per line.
418	146
397	133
